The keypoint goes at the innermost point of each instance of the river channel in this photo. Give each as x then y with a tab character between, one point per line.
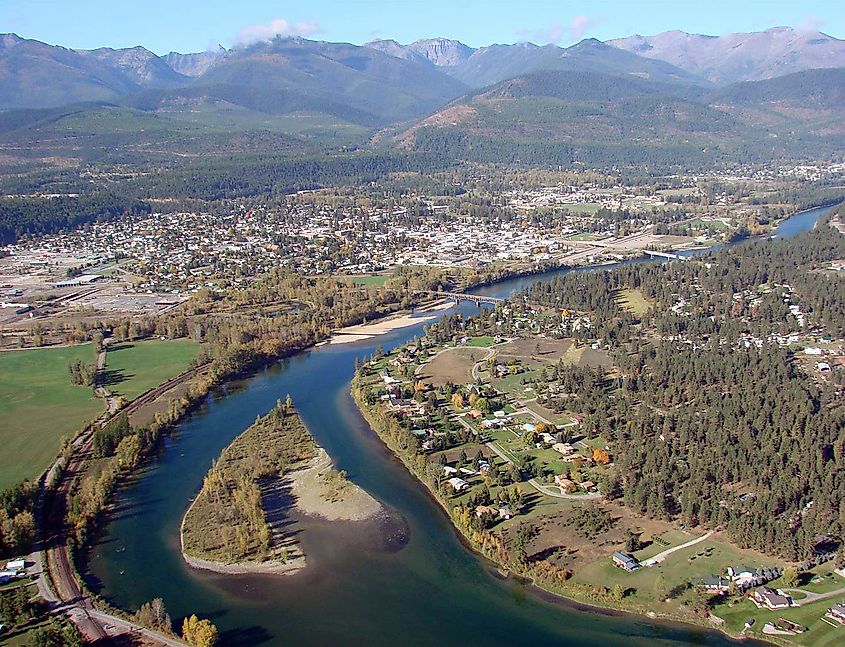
425	589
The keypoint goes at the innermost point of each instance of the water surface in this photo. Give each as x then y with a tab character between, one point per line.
426	589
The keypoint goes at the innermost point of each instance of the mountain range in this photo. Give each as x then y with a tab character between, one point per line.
608	103
384	81
740	57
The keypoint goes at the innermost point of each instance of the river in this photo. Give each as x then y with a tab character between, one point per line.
358	589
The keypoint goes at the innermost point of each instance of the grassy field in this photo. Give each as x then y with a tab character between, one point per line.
365	279
586	207
136	367
710	557
39	405
633	301
480	342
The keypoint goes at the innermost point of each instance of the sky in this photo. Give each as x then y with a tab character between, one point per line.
193	25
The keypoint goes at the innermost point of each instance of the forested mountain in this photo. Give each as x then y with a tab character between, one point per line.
360	77
36	75
740	57
561	117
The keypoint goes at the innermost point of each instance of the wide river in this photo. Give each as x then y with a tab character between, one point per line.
359	589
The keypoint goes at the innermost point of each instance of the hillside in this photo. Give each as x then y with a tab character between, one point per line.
361	78
485	66
740	57
561	117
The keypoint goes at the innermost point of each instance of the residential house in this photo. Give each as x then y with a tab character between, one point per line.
625	561
715	584
765	597
458	484
837	613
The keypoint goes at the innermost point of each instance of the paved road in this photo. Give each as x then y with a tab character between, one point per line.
809	596
661	556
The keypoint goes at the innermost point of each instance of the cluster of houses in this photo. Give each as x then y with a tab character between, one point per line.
742	578
14	569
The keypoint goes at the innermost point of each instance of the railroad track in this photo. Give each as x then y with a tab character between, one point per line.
54	533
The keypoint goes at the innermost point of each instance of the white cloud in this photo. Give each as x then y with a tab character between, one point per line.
556	32
276	27
579	26
811	23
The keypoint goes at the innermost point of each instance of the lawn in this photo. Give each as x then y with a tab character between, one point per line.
819	633
133	368
39	405
480	342
710	557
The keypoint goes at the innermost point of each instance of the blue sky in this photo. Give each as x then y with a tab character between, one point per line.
192	25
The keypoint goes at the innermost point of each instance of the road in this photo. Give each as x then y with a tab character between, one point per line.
62	592
663	555
809	596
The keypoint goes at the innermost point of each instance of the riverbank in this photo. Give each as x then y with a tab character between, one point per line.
388	324
549	585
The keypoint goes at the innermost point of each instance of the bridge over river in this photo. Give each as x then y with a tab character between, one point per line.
477	299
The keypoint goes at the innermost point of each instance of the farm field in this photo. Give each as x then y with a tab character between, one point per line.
133	368
38	406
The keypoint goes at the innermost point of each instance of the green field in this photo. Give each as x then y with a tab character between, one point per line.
365	279
480	342
136	367
633	301
39	405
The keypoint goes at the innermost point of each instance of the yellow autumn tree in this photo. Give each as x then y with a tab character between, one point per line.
199	633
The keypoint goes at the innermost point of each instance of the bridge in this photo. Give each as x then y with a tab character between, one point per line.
477	299
669	255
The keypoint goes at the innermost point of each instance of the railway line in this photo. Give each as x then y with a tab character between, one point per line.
63	591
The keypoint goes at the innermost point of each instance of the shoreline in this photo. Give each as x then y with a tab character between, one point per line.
308	489
385	325
547	594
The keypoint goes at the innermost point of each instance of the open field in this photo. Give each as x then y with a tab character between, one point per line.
453	365
365	279
633	301
710	557
550	350
39	405
136	367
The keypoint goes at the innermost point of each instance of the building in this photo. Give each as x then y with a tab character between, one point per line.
625	561
715	584
15	565
837	613
765	597
458	484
